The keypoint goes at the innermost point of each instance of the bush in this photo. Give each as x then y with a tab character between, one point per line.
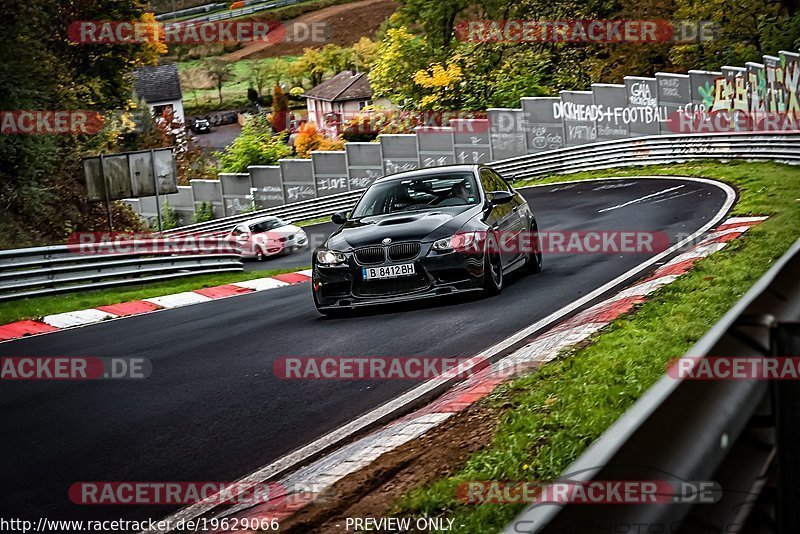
256	145
169	219
205	213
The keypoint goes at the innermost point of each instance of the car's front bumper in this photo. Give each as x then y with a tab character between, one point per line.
273	248
436	274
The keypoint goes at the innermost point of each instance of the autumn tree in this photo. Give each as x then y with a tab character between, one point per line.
219	71
42	189
280	108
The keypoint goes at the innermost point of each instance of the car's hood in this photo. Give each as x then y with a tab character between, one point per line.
428	225
281	231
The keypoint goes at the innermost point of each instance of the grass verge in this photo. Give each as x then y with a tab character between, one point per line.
551	417
36	307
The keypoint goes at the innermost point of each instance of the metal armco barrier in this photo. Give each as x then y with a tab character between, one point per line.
304	210
654	150
58	269
741	434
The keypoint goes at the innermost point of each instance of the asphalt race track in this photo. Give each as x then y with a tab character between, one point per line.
213	411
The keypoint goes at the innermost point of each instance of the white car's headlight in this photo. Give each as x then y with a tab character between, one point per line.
330	257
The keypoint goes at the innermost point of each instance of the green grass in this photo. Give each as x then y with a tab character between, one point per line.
309	222
36	307
550	417
234	91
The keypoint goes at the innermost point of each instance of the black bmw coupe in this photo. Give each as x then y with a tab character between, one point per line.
425	233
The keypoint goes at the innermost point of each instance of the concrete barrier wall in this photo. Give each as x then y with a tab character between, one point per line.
754	97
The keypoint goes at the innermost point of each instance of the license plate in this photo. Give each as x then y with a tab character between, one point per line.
389	271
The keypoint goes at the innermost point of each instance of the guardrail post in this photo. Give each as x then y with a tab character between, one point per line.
786	342
105	194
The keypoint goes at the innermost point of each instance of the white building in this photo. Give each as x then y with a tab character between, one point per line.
160	88
338	99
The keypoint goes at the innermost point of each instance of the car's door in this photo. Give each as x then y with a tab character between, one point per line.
503	218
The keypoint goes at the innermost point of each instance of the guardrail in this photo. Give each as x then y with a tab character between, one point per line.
242	11
58	269
733	432
656	149
298	211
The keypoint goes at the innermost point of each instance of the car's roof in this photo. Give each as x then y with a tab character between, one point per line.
429	171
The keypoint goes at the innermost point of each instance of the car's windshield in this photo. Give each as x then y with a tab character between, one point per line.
419	193
265	226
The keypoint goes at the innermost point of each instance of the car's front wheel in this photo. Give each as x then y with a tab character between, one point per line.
492	268
260	256
533	262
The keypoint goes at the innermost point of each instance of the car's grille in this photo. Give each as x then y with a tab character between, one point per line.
368	255
403	251
391	286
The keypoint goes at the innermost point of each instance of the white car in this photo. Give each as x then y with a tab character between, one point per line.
267	236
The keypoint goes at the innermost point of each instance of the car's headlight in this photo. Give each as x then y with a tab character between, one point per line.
330	257
443	245
462	241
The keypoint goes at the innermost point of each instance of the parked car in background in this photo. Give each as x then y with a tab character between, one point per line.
267	236
201	126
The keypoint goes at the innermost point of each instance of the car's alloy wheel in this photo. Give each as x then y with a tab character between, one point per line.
492	270
259	255
533	263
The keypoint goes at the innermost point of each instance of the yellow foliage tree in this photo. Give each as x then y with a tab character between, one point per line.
440	83
155	45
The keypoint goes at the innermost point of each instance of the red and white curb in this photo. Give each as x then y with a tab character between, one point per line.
308	482
60	321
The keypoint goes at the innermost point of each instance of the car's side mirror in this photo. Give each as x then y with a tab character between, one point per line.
339	217
500	197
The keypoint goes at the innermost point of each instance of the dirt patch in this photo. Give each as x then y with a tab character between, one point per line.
373	490
345	25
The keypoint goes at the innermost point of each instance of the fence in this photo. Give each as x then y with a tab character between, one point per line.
58	269
730	431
